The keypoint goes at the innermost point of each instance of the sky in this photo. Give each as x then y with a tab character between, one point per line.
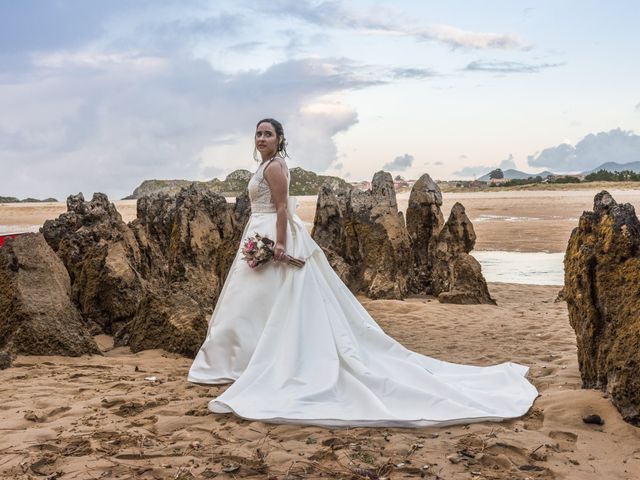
100	96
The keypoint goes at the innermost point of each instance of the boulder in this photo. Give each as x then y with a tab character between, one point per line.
441	264
122	272
172	321
456	277
38	316
101	255
424	223
189	239
601	288
364	237
6	358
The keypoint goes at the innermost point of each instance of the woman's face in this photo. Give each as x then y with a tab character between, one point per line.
266	140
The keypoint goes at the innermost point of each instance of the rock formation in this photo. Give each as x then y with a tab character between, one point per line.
601	288
101	255
456	277
364	237
154	282
442	265
126	277
38	316
367	244
187	243
424	223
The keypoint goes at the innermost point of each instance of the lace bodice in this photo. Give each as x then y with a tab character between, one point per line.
260	193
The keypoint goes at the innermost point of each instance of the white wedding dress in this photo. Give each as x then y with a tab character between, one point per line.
300	348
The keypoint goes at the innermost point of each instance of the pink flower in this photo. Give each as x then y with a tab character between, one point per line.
253	263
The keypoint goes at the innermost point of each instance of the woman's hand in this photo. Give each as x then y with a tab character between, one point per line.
279	253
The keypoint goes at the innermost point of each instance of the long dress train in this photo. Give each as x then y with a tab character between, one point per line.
300	348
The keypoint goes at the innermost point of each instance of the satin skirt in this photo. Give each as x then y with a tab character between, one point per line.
300	348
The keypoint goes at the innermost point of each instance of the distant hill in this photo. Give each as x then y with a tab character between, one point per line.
616	167
303	182
25	200
512	174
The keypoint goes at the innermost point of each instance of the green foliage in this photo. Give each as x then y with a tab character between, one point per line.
303	182
564	179
606	176
520	181
497	173
25	200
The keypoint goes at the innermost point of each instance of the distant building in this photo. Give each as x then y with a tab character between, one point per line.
498	181
362	185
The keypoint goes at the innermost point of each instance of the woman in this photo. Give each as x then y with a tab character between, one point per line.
300	348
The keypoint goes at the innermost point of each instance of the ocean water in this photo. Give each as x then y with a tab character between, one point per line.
536	268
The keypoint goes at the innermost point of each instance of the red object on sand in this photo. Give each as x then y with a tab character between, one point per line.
5	236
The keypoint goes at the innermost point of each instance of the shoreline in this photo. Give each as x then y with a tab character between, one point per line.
524	221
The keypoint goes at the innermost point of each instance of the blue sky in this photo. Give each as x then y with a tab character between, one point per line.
99	96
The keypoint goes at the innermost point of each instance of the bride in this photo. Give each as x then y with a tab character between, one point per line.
300	348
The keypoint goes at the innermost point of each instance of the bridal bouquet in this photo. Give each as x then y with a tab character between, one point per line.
259	249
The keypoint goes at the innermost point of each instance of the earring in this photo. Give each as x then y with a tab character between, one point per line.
255	153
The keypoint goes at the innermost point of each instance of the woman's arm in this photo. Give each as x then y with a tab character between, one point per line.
276	177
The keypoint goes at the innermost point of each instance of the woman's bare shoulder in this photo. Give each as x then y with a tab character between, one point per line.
280	166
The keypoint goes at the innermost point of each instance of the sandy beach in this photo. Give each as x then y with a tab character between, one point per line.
125	415
515	221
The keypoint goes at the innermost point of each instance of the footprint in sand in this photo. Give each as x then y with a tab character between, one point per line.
546	371
534	420
42	417
565	441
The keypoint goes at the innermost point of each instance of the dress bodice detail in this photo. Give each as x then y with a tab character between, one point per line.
260	193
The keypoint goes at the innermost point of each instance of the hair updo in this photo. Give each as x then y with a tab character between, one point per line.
282	141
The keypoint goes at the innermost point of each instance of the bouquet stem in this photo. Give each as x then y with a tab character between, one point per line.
296	262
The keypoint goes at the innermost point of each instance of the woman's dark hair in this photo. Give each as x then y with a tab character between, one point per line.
277	126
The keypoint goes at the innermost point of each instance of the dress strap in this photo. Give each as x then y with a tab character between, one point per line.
267	164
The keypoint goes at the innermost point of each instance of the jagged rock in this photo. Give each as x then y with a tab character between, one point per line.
601	288
172	321
424	223
441	264
5	359
101	255
38	317
364	237
191	239
456	277
187	243
179	243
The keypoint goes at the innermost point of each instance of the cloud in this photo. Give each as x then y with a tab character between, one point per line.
479	170
96	121
457	38
409	73
333	14
473	171
507	163
593	150
638	107
438	163
399	163
508	67
245	47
